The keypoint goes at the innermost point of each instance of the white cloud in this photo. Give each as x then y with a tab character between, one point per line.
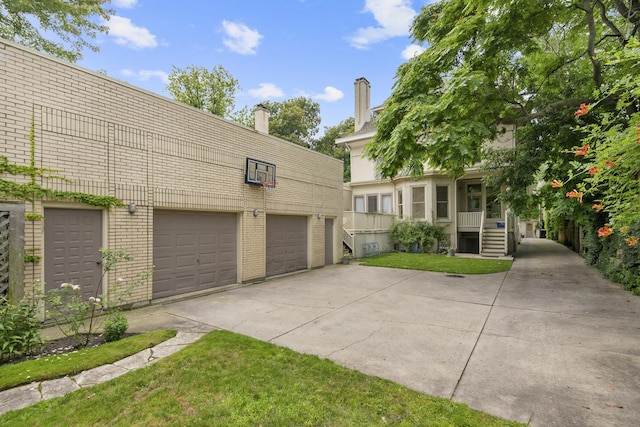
127	34
240	38
146	75
266	90
394	18
411	51
330	94
125	4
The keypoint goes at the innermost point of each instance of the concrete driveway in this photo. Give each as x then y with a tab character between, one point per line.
548	343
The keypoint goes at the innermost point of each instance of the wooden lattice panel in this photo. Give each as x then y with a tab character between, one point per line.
4	252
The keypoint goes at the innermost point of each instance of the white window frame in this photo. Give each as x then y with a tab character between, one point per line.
369	208
423	202
355	203
389	197
438	202
400	205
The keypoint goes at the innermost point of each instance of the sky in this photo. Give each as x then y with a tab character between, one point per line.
276	49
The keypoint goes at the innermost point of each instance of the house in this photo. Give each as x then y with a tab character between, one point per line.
474	220
208	203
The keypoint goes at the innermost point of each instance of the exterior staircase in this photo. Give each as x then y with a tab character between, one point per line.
493	242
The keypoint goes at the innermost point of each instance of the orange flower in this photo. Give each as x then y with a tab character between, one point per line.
610	163
632	241
584	109
556	184
593	171
597	206
575	194
605	231
583	150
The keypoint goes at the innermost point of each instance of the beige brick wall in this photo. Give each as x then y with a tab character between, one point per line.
111	138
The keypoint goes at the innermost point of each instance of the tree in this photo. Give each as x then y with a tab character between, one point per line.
565	72
58	27
294	120
212	91
490	63
327	144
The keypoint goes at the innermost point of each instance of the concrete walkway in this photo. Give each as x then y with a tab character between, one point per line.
548	343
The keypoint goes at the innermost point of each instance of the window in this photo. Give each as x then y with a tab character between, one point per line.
372	203
417	202
358	203
400	213
387	203
442	201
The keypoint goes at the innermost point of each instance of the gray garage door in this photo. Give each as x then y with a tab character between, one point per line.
193	251
328	241
286	244
72	241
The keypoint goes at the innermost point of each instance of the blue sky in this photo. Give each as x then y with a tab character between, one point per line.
276	49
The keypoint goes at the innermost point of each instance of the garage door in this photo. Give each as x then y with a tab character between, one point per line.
286	244
72	241
328	241
193	251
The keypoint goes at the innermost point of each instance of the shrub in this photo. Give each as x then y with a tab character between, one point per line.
19	328
115	326
417	234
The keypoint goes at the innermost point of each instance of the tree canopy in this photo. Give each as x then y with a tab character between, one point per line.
295	119
212	91
58	27
494	62
326	144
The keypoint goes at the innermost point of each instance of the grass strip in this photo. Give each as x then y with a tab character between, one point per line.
226	379
439	263
50	367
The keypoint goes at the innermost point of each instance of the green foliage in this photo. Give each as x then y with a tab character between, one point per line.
417	234
78	318
58	27
294	120
115	325
32	258
33	217
212	91
68	364
228	379
487	64
19	328
327	144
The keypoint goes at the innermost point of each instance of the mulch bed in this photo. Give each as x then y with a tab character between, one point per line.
60	346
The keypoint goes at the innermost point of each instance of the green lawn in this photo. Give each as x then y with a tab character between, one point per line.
50	367
442	263
228	379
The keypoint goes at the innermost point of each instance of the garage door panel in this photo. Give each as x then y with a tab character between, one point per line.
286	244
188	244
72	240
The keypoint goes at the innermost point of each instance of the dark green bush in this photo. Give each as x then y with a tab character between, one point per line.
19	328
417	234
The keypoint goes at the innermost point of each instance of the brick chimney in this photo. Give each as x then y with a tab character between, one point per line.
363	101
261	118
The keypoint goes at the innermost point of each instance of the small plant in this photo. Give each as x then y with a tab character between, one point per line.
79	318
115	326
19	328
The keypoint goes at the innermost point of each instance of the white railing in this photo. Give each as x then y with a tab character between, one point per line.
470	219
481	233
360	221
348	239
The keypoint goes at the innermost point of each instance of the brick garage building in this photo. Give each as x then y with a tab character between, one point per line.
196	220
